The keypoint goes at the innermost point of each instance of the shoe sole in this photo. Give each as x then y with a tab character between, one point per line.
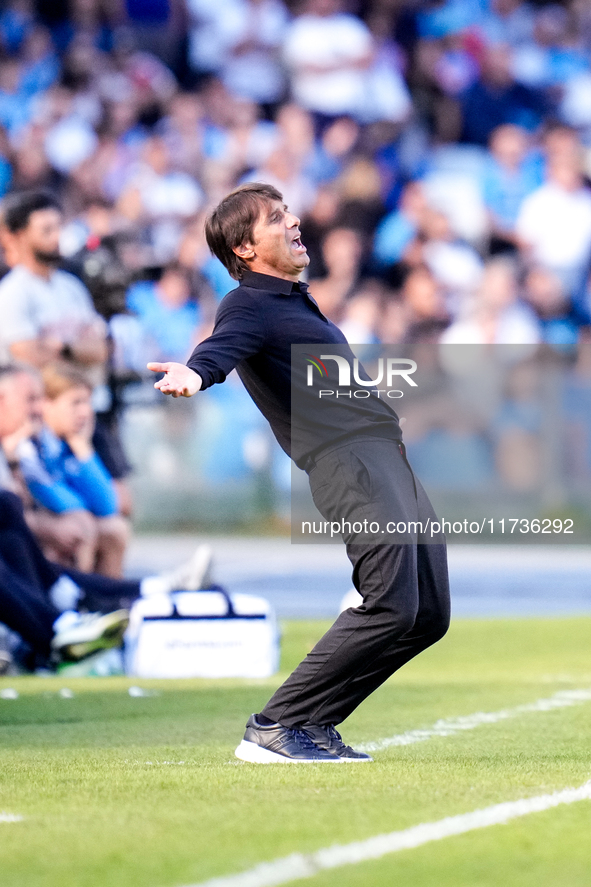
112	636
357	760
257	754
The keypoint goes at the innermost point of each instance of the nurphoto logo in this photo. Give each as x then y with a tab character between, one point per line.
388	369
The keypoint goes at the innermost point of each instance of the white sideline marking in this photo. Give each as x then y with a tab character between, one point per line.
10	817
298	865
448	727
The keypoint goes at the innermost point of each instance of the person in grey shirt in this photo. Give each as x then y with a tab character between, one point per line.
46	312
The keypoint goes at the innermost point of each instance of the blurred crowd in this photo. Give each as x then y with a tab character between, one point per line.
419	142
438	154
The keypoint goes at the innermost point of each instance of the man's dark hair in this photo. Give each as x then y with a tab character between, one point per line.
17	209
9	370
232	223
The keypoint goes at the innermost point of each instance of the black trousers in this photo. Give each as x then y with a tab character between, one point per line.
404	586
26	577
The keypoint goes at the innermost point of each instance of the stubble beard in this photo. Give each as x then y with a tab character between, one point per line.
51	259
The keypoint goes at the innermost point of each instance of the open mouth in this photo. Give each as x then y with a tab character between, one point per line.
297	244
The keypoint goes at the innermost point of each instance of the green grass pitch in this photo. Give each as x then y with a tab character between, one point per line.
118	791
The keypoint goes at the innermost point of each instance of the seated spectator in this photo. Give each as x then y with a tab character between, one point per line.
550	58
328	53
39	599
554	223
422	297
283	170
457	68
252	67
44	603
509	176
71	140
315	225
65	476
507	21
46	313
17	397
496	99
361	313
41	65
495	315
456	266
55	533
16	108
48	637
168	312
32	170
387	94
209	278
16	22
436	19
544	293
26	578
397	231
518	429
360	191
156	26
295	127
160	197
248	140
164	191
207	33
561	143
333	150
342	251
181	129
393	323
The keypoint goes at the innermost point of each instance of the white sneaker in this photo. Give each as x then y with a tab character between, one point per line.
88	632
193	575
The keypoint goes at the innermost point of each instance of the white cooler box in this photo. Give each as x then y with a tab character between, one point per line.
202	634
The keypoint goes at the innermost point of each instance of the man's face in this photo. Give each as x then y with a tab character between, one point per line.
15	395
41	236
277	248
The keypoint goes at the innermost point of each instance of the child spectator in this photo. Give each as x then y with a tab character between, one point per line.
65	476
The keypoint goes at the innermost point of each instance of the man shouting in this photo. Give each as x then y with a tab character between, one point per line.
357	455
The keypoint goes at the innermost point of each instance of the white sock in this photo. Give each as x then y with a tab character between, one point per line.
65	594
152	585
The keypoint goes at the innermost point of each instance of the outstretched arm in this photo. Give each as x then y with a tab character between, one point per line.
178	379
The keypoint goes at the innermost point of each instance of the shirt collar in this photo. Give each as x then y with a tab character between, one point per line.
267	282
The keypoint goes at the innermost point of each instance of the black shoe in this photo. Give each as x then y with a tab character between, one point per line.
328	738
275	744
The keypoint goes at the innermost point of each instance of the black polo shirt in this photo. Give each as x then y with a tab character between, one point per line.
256	324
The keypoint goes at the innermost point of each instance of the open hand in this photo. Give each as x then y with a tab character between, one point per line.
178	379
